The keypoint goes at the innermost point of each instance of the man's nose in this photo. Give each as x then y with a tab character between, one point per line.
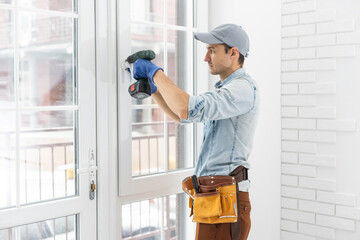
207	58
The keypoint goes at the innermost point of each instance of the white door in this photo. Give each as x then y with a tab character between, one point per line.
47	124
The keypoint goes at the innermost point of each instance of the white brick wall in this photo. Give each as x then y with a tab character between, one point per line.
316	207
289	225
289	180
289	134
317	112
321	40
287	66
344	25
317	64
299	30
316	183
289	203
317	160
301	53
289	112
289	157
298	216
299	193
298	100
298	170
318	16
289	88
335	222
302	147
337	51
348	38
318	88
295	123
290	20
317	231
336	198
294	236
289	42
315	39
317	136
348	212
337	125
297	7
287	1
298	77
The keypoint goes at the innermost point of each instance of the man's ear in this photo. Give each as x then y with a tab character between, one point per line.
234	51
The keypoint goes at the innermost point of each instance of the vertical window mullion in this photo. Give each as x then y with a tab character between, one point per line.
192	84
166	133
162	215
166	129
17	99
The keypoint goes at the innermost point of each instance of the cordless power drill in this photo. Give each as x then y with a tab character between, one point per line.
141	88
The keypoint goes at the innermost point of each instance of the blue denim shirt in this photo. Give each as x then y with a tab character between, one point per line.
229	114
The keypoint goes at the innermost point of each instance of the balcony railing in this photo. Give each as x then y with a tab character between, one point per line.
48	167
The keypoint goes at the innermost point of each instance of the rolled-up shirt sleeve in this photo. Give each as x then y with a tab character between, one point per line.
233	99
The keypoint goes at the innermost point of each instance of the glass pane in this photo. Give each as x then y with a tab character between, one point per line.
179	59
170	217
147	10
147	141
6	58
179	71
4	234
47	156
46	60
54	5
7	159
59	228
180	146
177	12
141	220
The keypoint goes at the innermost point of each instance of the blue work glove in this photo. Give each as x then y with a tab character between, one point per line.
146	69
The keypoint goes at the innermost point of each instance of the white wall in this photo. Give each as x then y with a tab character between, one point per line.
320	113
261	20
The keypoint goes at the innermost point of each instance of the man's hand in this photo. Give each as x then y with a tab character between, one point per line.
146	69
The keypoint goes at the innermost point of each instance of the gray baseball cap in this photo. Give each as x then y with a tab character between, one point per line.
231	34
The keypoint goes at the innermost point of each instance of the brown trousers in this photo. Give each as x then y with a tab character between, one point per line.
222	231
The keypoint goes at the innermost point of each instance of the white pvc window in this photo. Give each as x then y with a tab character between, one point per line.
38	101
59	228
47	123
166	27
155	153
158	218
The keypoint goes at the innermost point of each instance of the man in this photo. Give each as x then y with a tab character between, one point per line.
229	113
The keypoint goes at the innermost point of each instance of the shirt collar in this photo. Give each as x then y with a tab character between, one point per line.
235	74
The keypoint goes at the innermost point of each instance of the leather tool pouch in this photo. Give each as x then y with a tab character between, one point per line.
216	201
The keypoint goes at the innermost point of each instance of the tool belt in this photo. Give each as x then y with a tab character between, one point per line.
213	199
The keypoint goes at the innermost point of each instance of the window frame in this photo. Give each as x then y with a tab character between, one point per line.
169	182
79	204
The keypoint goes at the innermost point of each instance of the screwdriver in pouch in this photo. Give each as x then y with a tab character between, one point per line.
195	183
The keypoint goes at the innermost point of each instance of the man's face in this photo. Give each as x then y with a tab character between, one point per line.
218	61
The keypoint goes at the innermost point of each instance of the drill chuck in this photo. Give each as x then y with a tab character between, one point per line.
144	54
